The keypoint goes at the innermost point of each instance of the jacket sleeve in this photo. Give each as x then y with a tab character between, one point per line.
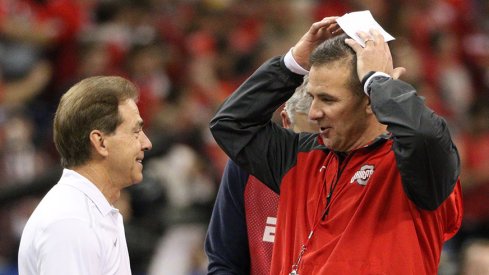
426	156
243	128
226	243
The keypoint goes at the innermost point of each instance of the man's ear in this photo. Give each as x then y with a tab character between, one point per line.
97	140
285	119
368	107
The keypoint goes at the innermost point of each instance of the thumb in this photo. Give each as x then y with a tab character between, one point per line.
397	72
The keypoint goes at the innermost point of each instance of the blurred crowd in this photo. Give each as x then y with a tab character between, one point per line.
186	56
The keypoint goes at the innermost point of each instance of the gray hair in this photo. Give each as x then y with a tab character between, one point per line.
300	102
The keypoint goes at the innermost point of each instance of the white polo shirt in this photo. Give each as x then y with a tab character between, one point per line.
74	230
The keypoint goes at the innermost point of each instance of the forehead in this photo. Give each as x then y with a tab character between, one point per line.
328	77
129	111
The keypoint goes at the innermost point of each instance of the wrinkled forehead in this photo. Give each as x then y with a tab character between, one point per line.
328	76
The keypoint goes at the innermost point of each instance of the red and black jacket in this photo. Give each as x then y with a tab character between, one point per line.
385	208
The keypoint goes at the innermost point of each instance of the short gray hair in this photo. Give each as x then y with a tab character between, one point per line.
300	102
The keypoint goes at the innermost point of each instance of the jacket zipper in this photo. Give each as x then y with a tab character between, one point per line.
340	169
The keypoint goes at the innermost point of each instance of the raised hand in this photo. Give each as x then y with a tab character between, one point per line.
319	32
376	56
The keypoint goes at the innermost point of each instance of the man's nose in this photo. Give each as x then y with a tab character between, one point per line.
314	112
147	145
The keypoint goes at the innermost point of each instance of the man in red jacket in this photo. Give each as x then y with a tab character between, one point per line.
377	190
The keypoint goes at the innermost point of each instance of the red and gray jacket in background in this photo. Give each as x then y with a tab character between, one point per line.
243	224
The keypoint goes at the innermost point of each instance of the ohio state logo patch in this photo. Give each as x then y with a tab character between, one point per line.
361	176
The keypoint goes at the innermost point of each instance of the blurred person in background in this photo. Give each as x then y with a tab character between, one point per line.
32	30
42	31
473	239
189	190
20	159
75	229
475	257
242	227
146	68
17	92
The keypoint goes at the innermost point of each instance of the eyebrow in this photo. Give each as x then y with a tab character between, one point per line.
327	96
139	124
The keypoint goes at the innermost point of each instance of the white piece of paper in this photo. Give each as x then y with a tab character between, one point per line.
353	22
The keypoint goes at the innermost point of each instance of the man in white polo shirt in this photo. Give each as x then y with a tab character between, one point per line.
75	229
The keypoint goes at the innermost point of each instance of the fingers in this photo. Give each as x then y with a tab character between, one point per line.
397	72
366	37
335	29
374	56
377	36
353	44
328	22
373	37
317	33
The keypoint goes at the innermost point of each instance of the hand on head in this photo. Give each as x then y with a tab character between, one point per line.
319	32
375	56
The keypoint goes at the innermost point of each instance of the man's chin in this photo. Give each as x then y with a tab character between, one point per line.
137	180
327	142
330	145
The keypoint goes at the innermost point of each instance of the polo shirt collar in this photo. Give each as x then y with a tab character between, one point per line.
75	180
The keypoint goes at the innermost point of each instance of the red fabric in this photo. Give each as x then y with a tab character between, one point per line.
330	8
148	104
71	18
65	17
261	205
370	229
70	15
